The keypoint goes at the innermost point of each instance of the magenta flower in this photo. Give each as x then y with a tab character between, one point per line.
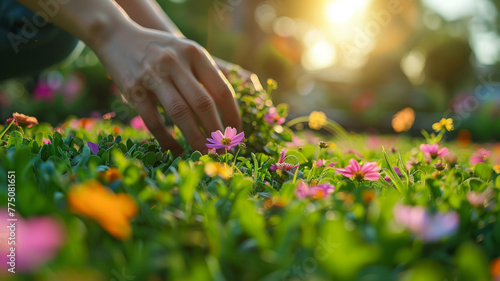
138	124
272	117
433	150
226	140
369	171
281	164
479	156
46	141
37	242
43	91
316	191
398	172
426	226
94	147
322	162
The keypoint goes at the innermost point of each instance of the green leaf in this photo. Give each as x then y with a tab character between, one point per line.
15	139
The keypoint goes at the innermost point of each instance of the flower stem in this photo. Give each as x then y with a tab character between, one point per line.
236	156
6	129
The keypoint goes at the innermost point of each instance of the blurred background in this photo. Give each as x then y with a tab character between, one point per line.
359	61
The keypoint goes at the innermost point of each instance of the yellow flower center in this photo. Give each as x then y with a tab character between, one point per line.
225	141
359	176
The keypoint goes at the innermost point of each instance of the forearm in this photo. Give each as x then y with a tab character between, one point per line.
149	14
92	21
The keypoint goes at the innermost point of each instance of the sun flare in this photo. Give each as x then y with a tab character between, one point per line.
342	11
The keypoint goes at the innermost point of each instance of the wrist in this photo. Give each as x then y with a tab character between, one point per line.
103	27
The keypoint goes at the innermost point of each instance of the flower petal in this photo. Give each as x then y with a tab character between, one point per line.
215	145
230	132
217	135
355	164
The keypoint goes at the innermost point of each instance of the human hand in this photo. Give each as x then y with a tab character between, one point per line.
151	67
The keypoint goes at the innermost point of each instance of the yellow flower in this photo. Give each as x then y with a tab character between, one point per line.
497	168
403	120
272	84
443	124
213	169
317	120
111	210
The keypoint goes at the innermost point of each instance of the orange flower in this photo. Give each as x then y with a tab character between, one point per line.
23	120
464	137
112	174
368	196
116	130
112	211
497	168
495	268
403	120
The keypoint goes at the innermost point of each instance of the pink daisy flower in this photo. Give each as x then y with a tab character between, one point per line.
479	156
272	117
433	150
226	140
281	164
316	191
369	171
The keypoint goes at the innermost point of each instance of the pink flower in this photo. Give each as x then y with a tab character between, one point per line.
138	124
316	191
322	162
398	172
46	141
37	241
369	171
43	91
281	164
226	140
272	117
479	156
477	199
296	142
433	150
426	226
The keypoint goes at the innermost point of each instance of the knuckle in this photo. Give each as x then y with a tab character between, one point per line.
168	57
179	110
192	47
203	102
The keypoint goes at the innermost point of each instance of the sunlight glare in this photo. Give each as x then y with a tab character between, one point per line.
342	11
319	56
